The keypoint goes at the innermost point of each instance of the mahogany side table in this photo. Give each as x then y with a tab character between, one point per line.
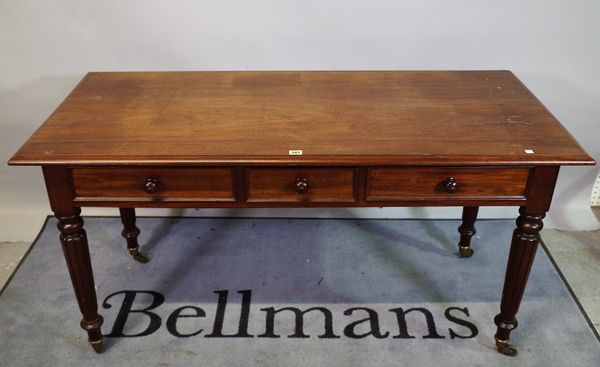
301	139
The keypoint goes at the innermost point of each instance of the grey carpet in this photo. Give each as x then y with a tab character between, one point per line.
333	264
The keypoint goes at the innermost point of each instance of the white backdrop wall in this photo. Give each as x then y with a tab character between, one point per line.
47	46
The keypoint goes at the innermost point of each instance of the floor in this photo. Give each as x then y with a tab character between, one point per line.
577	254
11	254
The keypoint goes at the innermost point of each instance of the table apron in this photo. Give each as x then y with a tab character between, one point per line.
296	187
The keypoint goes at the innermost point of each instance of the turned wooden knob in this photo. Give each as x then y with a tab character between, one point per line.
450	185
302	185
151	185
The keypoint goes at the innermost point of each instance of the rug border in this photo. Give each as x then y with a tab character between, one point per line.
566	283
26	255
542	245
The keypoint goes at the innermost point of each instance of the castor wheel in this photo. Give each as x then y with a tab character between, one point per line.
98	345
465	251
138	256
505	348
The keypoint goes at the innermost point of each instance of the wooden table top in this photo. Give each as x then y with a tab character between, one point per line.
341	117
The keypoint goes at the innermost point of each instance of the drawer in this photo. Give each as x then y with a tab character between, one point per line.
388	184
300	185
198	184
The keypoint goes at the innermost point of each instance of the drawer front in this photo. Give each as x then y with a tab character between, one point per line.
385	184
199	184
300	185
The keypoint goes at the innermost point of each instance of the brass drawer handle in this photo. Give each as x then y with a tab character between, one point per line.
151	185
450	185
302	185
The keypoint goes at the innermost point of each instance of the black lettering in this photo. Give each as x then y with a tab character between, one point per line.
217	331
299	325
373	321
172	320
125	310
462	322
403	329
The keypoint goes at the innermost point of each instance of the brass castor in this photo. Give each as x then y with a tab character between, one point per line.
98	345
505	348
138	256
465	251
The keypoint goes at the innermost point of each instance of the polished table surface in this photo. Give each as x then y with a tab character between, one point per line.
333	117
301	139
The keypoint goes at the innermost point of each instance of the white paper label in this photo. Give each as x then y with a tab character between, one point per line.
295	152
528	151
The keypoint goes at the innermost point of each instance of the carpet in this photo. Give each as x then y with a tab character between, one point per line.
290	292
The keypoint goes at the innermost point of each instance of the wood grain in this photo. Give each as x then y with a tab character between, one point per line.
419	182
330	185
335	118
203	184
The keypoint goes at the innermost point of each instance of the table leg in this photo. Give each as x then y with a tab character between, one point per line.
75	248
467	230
520	259
131	232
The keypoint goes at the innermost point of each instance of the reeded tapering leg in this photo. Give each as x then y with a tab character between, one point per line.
467	230
520	259
131	232
75	247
